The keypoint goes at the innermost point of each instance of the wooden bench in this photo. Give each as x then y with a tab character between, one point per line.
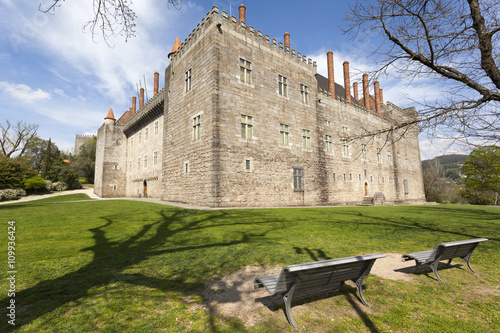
444	251
317	274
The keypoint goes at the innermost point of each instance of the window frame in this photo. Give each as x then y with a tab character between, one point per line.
245	71
284	134
246	127
298	179
282	85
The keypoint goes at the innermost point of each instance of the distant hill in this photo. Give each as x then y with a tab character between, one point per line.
450	164
447	161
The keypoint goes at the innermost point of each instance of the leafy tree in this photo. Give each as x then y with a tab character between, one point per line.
13	173
14	139
482	170
454	42
112	17
52	162
86	159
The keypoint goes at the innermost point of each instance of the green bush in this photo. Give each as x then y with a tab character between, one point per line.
35	184
13	173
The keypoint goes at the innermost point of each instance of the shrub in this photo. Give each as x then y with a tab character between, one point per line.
60	186
49	186
8	194
34	184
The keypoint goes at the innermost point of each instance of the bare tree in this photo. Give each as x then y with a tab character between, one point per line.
15	138
111	17
455	42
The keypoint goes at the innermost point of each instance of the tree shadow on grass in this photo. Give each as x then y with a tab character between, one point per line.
112	258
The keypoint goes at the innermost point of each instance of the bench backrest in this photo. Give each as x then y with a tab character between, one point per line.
458	249
320	273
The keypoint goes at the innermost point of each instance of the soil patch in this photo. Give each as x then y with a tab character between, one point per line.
234	295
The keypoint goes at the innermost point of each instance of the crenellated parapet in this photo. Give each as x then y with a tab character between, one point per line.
230	22
147	113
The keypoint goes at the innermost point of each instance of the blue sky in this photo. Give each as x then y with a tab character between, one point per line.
57	76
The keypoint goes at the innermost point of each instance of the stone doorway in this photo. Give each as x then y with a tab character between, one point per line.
366	189
145	189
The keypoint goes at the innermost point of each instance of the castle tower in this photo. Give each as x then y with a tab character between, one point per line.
110	159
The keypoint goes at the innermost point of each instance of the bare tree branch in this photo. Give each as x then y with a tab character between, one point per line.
452	41
16	138
111	17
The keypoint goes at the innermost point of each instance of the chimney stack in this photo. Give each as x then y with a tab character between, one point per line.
331	81
134	99
287	40
381	95
366	92
377	97
355	88
157	80
347	82
242	14
141	98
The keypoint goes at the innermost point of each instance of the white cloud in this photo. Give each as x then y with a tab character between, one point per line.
24	93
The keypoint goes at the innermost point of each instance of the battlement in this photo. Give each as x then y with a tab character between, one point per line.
356	106
241	27
148	112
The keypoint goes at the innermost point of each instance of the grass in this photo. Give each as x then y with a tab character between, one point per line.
115	266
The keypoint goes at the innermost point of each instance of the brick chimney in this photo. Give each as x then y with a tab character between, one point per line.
287	40
355	88
381	95
156	83
134	99
366	92
376	88
347	82
242	14
141	98
331	81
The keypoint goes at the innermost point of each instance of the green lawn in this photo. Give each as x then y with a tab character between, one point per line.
114	266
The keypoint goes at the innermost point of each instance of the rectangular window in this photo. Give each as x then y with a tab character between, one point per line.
156	128
145	161
363	152
379	156
328	143
303	93
328	123
405	184
245	71
306	139
188	80
284	134
298	179
345	147
138	163
282	85
196	127
247	164
140	136
246	127
334	176
389	157
146	134
155	157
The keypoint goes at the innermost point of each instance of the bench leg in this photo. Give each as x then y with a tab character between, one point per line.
417	265
434	267
467	261
359	286
287	298
449	262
